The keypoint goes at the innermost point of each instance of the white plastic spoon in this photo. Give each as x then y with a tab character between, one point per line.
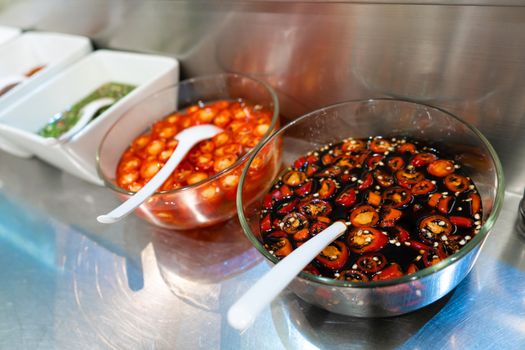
187	139
10	81
242	314
86	114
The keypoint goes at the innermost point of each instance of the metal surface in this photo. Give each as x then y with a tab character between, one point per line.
71	283
467	59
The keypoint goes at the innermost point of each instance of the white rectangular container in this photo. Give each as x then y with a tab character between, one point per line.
8	33
20	122
29	50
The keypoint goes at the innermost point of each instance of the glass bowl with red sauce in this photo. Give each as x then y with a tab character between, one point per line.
201	191
375	269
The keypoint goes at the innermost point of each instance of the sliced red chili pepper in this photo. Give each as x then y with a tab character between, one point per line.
334	256
327	159
457	183
407	148
359	158
332	171
407	178
347	198
416	245
384	179
366	182
281	193
475	203
267	201
277	234
440	168
353	145
328	187
311	169
300	162
282	247
301	235
313	208
395	163
400	233
462	221
380	145
434	256
288	207
434	227
266	223
364	215
390	272
294	178
396	197
373	161
433	201
294	222
423	187
371	263
317	227
412	268
312	270
366	240
446	203
373	198
347	163
422	159
305	189
389	216
352	276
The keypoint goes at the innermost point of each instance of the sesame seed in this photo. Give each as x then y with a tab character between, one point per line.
448	168
398	244
360	181
418	257
407	244
378	272
445	193
436	244
442	223
456	166
336	274
348	223
462	242
316	194
476	216
386	153
456	194
444	238
472	187
271	251
460	208
468	238
381	163
354	178
354	266
392	241
433	181
375	258
346	172
378	188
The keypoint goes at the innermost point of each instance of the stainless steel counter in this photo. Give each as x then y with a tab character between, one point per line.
71	283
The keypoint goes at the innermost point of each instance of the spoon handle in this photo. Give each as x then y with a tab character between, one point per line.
242	314
145	192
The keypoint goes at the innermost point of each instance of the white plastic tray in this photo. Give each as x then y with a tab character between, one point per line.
20	122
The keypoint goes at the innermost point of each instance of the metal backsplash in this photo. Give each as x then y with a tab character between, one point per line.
468	59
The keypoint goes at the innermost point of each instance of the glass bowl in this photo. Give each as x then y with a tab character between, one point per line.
388	118
212	200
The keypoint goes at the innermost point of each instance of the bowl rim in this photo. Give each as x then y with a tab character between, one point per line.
474	242
273	123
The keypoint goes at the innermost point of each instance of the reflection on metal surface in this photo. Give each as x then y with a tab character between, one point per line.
194	263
